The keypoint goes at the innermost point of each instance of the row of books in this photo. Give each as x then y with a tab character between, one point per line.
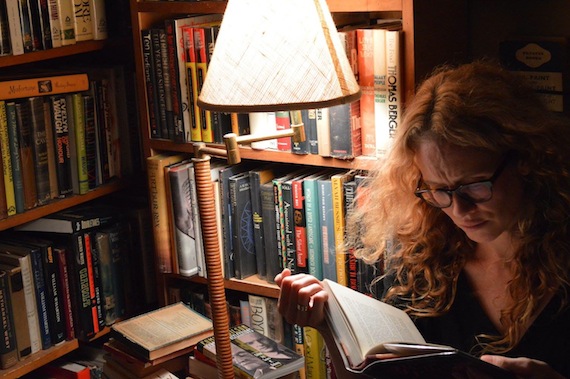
68	275
176	58
33	25
60	136
269	218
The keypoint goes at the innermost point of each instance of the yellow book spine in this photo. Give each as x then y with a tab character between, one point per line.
315	367
7	162
338	218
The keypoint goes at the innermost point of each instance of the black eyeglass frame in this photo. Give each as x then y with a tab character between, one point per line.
419	192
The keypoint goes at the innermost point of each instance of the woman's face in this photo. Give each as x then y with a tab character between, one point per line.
446	166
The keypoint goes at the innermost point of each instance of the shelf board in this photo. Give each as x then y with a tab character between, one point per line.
360	162
39	359
253	284
58	52
178	7
61	204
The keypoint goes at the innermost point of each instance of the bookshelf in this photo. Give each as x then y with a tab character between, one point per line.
422	51
80	52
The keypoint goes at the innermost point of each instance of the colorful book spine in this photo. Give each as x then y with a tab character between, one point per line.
365	43
60	122
8	179
394	79
337	182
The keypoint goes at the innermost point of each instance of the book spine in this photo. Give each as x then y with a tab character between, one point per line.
263	123
166	78
273	266
312	219
244	249
201	45
311	130
349	190
40	150
365	50
323	132
384	133
158	201
257	178
8	350
44	23
150	84
299	344
3	195
176	89
60	123
82	20
102	245
298	117
315	366
66	292
55	23
80	142
275	323
15	31
26	25
50	142
31	305
41	86
54	294
337	182
21	326
40	296
192	78
99	19
200	257
327	228
393	79
159	84
8	196
15	158
94	271
258	314
33	13
283	123
184	229
80	288
118	263
90	141
25	140
67	20
288	227
300	227
279	223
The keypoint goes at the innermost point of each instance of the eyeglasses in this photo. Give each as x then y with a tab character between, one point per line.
477	192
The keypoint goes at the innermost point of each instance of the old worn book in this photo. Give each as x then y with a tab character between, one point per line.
362	344
162	331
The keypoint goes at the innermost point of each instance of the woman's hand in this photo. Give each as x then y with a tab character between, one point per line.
302	299
523	367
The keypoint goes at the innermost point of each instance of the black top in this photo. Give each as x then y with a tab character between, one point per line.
548	338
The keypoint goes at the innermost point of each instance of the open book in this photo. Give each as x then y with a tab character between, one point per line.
381	340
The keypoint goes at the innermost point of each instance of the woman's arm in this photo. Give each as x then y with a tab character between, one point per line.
302	301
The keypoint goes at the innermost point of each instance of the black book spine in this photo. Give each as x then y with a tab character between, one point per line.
61	142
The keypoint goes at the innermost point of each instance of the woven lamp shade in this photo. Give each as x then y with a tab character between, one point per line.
277	55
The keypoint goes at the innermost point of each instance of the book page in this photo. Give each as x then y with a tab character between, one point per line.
371	321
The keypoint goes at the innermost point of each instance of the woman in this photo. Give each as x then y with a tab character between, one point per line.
476	192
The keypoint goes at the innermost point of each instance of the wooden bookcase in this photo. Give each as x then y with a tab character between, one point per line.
425	46
95	50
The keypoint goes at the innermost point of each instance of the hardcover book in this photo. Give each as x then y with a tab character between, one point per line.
362	343
40	150
245	263
162	331
255	355
8	349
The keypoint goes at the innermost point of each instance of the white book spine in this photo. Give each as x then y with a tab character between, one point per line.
31	305
67	23
82	21
55	23
99	17
16	38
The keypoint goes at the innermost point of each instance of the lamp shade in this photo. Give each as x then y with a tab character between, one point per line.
277	55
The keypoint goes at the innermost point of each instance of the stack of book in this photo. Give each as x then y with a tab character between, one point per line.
159	340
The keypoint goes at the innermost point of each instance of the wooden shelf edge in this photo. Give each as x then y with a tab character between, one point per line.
57	52
61	204
219	6
360	162
253	284
39	359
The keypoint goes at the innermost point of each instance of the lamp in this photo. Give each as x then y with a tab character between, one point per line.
269	55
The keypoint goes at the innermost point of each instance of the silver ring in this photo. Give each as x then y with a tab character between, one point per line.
302	308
